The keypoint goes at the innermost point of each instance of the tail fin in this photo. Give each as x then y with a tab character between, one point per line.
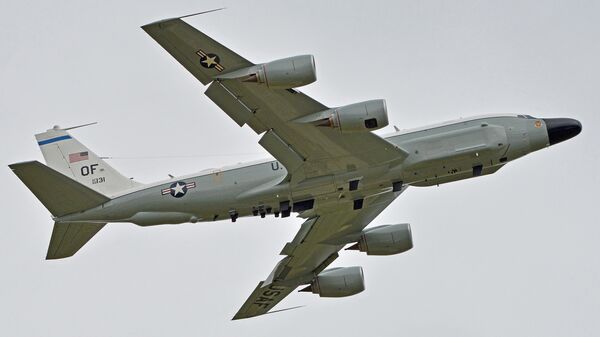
68	156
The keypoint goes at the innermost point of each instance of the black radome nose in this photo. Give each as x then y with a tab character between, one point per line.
561	129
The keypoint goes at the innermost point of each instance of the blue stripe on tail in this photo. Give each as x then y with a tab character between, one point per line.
53	140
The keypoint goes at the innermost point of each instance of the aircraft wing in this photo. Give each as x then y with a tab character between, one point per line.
305	151
315	246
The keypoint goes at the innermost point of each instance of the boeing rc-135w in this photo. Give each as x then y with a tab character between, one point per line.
328	167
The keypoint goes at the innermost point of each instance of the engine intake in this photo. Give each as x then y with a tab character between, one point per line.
338	282
385	240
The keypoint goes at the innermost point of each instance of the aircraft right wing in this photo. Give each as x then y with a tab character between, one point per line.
315	246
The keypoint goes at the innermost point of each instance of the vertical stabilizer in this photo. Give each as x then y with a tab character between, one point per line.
68	156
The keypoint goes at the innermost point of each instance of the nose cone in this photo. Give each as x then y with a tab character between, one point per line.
561	129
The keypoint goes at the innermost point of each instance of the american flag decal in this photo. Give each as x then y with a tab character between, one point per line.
79	156
209	60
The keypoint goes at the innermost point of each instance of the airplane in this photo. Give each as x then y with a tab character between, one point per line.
329	168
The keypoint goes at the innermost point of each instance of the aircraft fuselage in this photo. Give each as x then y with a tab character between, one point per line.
436	154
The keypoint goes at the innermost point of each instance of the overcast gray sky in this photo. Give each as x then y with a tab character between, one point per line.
512	254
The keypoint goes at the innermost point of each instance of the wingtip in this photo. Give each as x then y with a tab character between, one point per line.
238	316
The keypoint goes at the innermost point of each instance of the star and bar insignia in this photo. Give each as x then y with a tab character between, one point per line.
178	189
209	60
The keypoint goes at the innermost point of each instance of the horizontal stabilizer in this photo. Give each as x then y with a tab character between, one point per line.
68	238
60	194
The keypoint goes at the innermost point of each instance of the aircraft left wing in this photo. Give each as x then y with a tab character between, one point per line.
305	150
315	246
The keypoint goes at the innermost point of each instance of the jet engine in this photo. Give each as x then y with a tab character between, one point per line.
338	282
385	240
357	117
291	72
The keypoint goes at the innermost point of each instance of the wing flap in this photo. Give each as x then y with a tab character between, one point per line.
305	228
232	105
283	151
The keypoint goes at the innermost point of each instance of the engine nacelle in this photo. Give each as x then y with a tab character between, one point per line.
338	282
385	240
358	117
291	72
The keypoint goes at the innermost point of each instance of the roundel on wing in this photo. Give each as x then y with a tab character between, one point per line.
209	60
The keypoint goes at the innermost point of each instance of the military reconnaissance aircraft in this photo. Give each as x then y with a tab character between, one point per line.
328	167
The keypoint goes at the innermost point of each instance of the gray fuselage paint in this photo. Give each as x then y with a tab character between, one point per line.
437	154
